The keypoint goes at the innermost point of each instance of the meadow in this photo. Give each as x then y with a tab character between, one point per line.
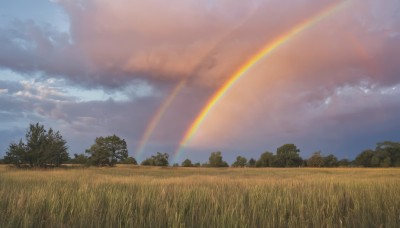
131	196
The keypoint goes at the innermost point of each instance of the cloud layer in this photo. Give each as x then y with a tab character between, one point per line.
335	87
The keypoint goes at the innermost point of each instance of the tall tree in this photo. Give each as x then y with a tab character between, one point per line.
107	151
240	162
187	163
215	160
392	149
160	159
330	161
288	156
266	159
42	148
251	163
364	158
316	160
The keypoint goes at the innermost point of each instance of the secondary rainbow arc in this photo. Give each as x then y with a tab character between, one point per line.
265	51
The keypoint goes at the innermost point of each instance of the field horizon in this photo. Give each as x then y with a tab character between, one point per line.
133	196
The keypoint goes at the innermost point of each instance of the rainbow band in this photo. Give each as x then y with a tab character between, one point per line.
173	94
156	119
268	49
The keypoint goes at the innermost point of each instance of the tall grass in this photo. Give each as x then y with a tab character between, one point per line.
198	197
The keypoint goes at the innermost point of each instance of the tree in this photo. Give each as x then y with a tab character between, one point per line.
42	148
240	162
266	159
107	151
288	156
344	163
148	162
364	159
160	159
316	160
330	161
252	162
187	163
130	161
79	159
215	160
393	151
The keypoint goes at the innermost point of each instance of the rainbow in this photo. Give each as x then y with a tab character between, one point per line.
266	50
171	97
157	117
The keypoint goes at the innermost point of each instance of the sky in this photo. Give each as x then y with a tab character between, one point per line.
146	71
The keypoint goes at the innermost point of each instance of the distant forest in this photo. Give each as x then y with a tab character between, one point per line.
47	148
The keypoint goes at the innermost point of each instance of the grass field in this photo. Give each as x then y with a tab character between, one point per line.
199	197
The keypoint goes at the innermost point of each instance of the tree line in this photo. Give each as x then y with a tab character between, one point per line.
47	148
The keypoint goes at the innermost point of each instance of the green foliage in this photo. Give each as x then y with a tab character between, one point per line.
148	162
386	154
240	162
107	151
390	151
266	159
364	159
187	163
215	160
316	160
130	161
344	163
79	159
251	163
42	149
330	161
288	156
160	159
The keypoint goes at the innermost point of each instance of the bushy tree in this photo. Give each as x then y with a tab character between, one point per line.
386	154
148	162
129	161
266	159
107	151
187	163
330	161
316	160
251	163
215	160
240	162
391	150
79	159
364	158
288	156
344	163
42	148
160	159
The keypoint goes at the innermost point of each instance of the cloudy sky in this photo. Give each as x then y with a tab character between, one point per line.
144	70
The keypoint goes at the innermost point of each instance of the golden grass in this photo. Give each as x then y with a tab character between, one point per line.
128	196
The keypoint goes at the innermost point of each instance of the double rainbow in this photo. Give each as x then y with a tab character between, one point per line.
155	120
265	51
